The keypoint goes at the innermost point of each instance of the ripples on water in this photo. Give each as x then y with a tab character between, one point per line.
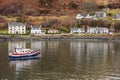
63	60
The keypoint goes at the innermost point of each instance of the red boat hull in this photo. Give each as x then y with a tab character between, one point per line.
27	55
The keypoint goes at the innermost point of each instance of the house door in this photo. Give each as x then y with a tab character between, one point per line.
16	32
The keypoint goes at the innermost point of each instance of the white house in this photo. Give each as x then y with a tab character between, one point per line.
16	28
102	30
116	16
82	15
37	30
91	30
54	31
101	14
95	30
77	30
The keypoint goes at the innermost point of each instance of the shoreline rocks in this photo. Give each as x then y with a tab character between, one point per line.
58	37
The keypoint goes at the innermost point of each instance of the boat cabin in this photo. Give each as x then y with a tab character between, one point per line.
22	51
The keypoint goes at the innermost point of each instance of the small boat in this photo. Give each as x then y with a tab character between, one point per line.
21	53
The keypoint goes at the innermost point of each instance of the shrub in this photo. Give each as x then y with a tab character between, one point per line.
117	26
51	23
65	29
89	6
12	35
20	19
2	20
72	5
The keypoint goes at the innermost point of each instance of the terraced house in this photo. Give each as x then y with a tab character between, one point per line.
96	30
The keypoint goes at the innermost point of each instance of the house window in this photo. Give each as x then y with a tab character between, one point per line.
42	31
22	27
23	32
101	15
10	28
10	31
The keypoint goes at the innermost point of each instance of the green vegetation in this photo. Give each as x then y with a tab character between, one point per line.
4	32
113	11
12	35
27	32
20	19
64	29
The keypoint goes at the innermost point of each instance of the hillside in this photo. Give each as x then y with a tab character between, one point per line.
43	7
58	12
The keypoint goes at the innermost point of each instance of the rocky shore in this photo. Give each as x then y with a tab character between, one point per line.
60	36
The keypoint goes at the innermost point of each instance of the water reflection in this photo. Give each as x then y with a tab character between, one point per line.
13	44
38	45
95	57
66	59
18	65
22	68
88	49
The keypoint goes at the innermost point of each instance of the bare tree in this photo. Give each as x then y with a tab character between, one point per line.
117	27
72	5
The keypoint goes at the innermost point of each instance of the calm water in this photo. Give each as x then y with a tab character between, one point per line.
63	60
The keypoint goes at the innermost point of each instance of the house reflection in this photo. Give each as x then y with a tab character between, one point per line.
19	65
85	51
38	45
13	44
77	47
99	49
52	45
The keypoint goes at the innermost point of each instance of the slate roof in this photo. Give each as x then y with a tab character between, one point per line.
98	28
35	27
16	24
83	14
100	12
102	28
74	29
